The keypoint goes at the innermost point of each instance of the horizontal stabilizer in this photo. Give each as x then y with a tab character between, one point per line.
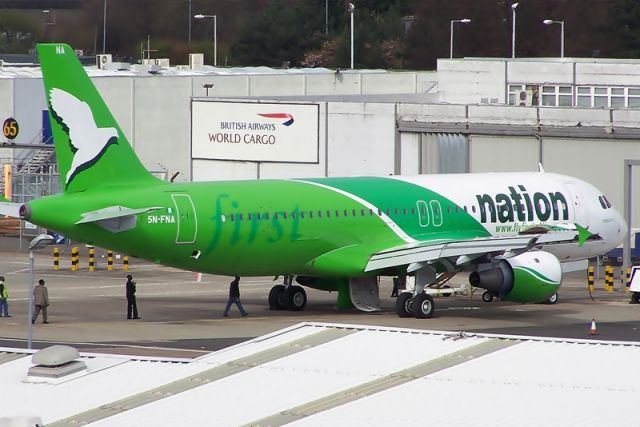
10	209
115	218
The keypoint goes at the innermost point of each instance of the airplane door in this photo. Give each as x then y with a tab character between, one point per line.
187	223
580	211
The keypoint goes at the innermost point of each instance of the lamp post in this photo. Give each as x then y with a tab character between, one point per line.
352	8
326	16
550	22
453	21
38	242
215	35
51	15
104	27
189	15
513	29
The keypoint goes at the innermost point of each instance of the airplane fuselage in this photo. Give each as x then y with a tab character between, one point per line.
301	226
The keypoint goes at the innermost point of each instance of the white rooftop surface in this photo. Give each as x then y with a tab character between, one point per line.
7	71
316	374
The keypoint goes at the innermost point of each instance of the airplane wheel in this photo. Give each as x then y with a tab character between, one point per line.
552	299
275	298
403	304
296	298
423	306
487	296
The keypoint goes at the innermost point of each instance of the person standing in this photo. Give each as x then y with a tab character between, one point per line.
234	297
132	307
40	301
4	296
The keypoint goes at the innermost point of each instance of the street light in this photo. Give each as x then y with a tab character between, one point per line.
215	35
51	14
513	29
38	242
351	9
189	16
550	22
462	21
104	27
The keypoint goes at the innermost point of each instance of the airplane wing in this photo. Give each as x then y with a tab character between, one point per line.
10	209
413	254
115	219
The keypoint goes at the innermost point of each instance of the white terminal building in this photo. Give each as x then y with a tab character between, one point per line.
573	116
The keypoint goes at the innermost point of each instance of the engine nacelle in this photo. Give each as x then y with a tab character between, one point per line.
529	277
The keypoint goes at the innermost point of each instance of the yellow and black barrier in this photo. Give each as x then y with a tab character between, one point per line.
110	260
608	278
591	278
56	258
92	259
125	263
75	258
627	279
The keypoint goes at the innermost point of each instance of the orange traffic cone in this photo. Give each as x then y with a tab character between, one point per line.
593	330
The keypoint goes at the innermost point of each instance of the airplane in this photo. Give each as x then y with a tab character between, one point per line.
512	232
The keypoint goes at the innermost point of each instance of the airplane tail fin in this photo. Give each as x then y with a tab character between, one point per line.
91	149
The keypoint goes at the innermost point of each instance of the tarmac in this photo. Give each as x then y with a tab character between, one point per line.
182	317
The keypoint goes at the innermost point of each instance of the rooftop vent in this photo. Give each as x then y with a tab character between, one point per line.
56	362
196	61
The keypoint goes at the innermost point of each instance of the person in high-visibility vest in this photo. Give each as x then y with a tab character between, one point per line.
4	297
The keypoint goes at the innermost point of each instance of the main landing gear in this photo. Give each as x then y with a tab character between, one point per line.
420	306
287	296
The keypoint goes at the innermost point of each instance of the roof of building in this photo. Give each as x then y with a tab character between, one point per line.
331	374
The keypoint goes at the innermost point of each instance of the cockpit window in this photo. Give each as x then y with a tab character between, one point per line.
602	203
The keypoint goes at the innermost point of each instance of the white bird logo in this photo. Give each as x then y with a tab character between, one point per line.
88	140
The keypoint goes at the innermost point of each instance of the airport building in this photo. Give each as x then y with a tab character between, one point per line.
572	116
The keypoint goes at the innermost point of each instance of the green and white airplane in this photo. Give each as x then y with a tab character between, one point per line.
510	231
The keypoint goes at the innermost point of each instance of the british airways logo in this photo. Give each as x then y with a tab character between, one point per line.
289	118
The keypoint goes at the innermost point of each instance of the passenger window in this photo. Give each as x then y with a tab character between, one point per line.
231	217
249	217
310	214
275	215
337	213
319	214
284	215
265	215
362	212
302	215
240	217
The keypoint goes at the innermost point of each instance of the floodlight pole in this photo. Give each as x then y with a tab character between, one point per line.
104	27
351	9
513	29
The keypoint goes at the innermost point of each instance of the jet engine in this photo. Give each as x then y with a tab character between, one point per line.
529	277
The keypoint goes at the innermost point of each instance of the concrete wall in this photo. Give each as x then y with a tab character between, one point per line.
28	104
361	139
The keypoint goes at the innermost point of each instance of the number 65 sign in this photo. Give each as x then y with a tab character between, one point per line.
10	128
